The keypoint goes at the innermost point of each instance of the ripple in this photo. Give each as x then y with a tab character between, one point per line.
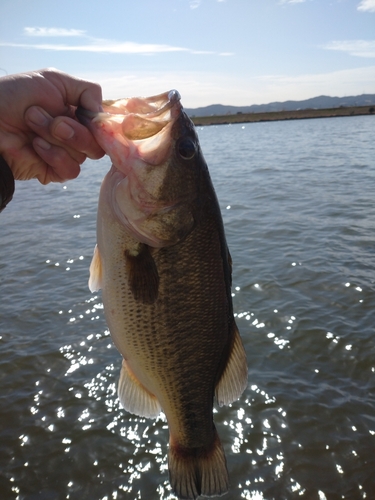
299	219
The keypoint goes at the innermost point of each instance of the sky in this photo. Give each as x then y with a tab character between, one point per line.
234	52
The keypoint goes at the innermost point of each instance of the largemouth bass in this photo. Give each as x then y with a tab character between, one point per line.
164	268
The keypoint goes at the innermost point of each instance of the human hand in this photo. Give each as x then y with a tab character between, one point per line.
39	135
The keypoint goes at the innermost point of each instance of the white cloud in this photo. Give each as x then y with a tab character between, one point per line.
204	88
348	76
282	2
338	83
107	46
194	4
103	46
99	45
358	48
52	32
367	6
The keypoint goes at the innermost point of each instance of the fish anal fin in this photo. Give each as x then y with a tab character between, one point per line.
233	381
134	397
198	471
143	275
96	274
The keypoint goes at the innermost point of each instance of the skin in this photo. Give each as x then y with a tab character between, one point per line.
39	134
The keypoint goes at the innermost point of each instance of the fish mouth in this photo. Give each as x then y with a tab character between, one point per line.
149	106
141	118
134	128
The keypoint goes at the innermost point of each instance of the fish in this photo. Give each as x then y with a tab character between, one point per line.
165	271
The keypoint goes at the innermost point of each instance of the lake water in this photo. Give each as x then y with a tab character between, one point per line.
298	202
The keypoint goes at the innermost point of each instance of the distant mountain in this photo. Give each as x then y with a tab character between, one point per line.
320	102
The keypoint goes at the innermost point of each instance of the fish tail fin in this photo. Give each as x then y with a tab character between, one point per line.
198	471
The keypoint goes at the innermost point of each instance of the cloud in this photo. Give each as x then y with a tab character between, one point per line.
337	83
367	6
52	32
194	4
104	46
282	2
358	48
92	44
203	88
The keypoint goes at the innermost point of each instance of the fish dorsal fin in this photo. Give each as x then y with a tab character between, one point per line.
143	275
134	397
233	381
95	280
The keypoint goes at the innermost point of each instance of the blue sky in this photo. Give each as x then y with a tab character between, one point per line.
238	52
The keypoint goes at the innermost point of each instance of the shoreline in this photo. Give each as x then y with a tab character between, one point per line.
300	114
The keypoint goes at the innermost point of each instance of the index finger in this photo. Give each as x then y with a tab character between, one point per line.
77	91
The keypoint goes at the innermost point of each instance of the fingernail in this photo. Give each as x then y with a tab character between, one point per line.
37	117
38	141
63	131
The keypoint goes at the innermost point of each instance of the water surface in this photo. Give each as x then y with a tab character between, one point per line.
298	205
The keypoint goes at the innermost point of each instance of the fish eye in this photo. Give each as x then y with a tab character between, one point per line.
186	148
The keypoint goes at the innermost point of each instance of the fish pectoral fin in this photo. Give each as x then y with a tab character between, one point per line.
233	381
143	275
134	397
95	280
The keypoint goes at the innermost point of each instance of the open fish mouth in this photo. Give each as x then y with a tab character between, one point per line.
137	127
140	117
152	107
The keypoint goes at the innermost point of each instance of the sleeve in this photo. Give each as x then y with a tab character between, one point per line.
6	184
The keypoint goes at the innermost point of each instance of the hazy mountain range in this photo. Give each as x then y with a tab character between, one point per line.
320	102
